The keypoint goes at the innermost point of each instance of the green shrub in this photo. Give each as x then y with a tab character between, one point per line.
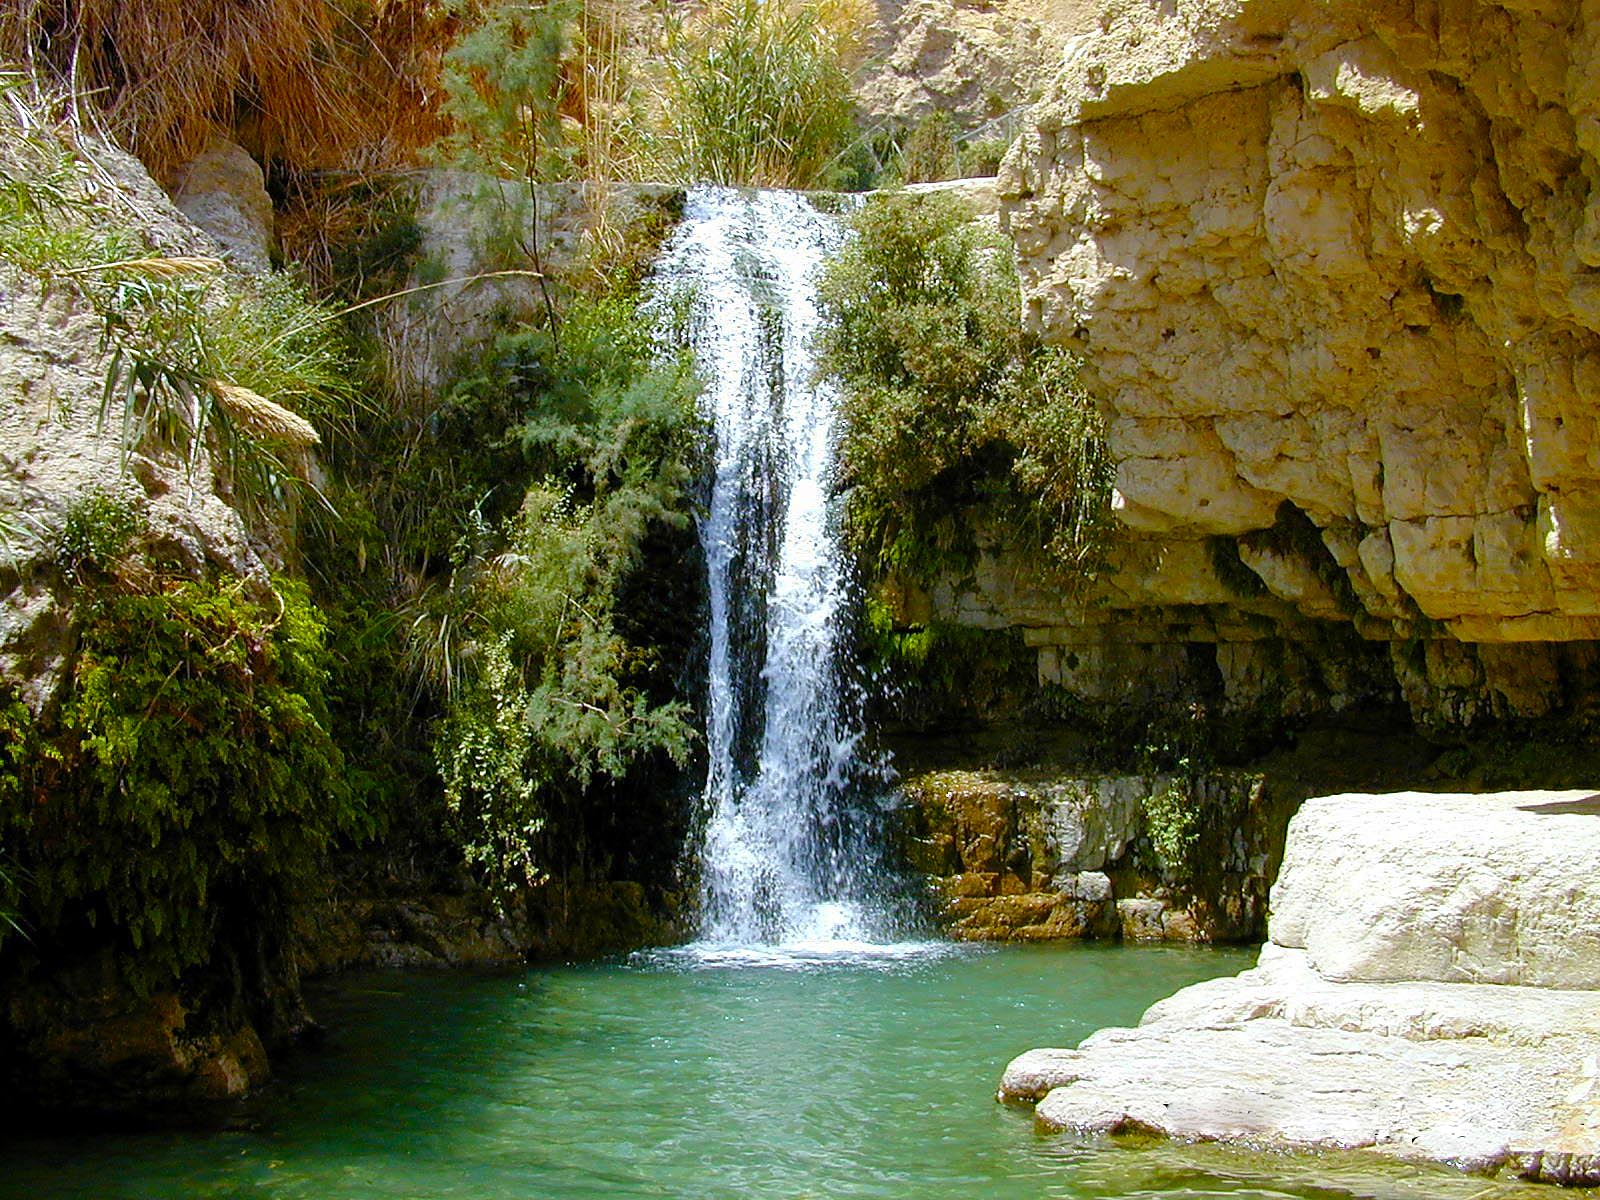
1191	824
930	151
1062	469
544	697
200	365
100	528
189	779
502	92
1173	822
981	157
948	404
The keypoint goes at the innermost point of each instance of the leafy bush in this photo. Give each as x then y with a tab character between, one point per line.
189	778
1173	822
930	150
948	403
503	88
100	528
544	695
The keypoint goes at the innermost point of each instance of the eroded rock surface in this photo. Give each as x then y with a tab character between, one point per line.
978	60
1292	615
1037	856
1340	257
1344	1035
58	446
476	274
224	192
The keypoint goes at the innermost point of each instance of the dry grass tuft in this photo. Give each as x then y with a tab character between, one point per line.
311	82
178	267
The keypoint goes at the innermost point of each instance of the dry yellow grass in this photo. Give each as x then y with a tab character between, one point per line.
299	80
156	268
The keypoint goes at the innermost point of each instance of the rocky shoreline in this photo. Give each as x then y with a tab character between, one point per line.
1430	992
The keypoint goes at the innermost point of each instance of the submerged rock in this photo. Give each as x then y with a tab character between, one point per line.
1428	993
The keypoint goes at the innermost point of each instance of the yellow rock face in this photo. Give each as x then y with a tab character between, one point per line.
1343	256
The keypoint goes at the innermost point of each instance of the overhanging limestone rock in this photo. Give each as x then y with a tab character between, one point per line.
1340	256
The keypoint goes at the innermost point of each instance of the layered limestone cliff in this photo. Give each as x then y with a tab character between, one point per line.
1336	272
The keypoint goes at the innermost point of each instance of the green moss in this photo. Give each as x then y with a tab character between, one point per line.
189	779
1295	535
942	675
1239	579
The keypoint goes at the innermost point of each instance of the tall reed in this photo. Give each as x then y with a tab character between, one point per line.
757	92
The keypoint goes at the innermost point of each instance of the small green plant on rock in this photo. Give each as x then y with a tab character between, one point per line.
100	528
1172	823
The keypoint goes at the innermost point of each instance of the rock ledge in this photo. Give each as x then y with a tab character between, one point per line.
1414	901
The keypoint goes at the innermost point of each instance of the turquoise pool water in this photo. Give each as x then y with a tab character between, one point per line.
679	1076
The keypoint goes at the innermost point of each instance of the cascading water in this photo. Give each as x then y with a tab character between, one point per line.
788	856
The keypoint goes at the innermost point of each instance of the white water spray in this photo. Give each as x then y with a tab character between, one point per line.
787	857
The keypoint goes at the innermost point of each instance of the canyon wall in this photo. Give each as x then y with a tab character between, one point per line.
1336	273
978	59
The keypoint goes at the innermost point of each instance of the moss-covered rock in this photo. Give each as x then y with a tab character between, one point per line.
1032	855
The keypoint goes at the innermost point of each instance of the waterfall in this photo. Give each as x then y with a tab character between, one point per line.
788	855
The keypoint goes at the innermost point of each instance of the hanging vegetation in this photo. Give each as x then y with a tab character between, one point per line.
189	777
949	403
544	693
